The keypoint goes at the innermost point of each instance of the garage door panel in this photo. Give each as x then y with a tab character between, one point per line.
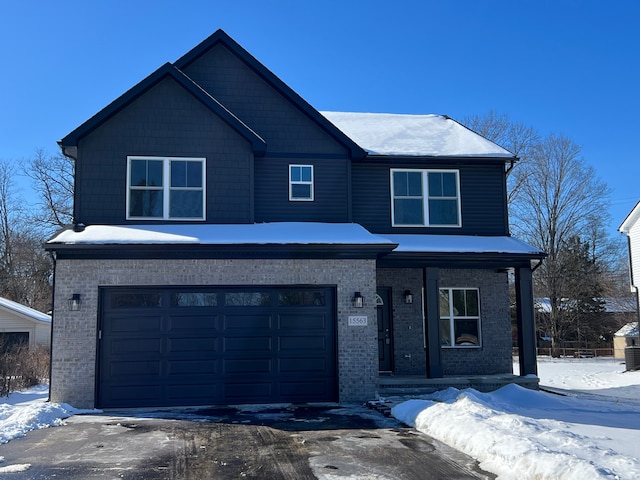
247	392
303	321
137	324
191	345
182	346
192	367
130	369
131	346
299	365
300	343
248	365
295	391
236	322
177	324
197	393
241	345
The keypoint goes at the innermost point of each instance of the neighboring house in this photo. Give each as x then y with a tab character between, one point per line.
627	336
616	311
20	324
234	245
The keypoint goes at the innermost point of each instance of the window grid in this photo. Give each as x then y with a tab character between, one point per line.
167	186
460	327
430	196
301	183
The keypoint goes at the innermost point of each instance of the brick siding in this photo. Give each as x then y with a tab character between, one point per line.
73	375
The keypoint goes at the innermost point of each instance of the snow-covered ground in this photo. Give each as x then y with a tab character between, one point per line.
592	431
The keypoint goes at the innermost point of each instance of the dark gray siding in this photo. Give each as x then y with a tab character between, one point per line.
331	183
482	200
165	121
240	89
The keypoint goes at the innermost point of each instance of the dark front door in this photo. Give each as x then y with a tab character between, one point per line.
385	330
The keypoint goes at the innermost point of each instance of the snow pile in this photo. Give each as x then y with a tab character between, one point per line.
24	411
524	434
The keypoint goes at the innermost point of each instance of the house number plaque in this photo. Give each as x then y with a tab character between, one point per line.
358	320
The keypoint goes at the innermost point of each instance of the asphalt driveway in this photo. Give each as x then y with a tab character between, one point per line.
279	442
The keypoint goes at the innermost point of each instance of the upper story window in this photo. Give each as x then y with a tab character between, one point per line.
459	317
165	188
301	183
425	198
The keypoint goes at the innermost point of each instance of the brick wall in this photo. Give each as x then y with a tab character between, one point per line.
494	356
74	334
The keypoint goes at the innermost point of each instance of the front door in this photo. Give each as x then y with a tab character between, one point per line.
385	330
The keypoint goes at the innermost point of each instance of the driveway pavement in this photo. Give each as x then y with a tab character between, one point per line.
278	442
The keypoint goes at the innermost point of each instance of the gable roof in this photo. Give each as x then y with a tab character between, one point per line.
24	311
630	220
629	330
70	142
221	37
415	135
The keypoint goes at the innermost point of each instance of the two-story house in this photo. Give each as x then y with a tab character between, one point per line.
234	245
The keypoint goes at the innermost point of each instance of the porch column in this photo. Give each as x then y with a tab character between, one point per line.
526	322
431	282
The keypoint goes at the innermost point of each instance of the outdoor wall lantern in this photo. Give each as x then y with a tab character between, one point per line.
358	300
408	296
74	302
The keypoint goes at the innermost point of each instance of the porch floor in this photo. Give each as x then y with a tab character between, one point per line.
399	385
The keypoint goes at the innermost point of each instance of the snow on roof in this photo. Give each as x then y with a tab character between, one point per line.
414	135
610	304
236	234
460	244
305	233
629	330
24	310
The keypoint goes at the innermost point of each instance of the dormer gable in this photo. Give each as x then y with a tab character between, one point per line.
69	143
221	39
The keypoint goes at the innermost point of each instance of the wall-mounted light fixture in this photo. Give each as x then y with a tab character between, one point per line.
358	300
408	296
74	302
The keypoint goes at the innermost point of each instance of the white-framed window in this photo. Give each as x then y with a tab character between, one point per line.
425	198
460	317
301	183
166	188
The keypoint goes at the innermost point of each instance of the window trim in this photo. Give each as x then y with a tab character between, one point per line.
452	318
426	197
301	182
166	187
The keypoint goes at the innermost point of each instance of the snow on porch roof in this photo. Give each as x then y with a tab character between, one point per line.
461	244
306	233
414	135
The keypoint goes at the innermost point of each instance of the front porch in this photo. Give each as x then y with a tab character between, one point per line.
403	385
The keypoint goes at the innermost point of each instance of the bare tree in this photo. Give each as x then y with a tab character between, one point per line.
560	198
53	178
24	266
518	138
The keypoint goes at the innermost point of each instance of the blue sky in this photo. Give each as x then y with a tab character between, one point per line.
561	66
